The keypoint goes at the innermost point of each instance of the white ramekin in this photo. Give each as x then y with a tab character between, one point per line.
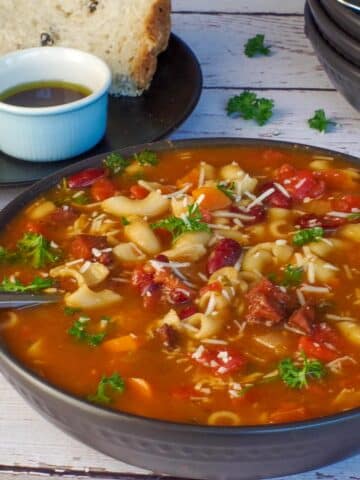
60	132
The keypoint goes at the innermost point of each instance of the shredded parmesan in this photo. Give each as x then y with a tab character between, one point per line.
261	197
214	341
314	289
282	189
300	297
338	214
339	318
211	304
74	262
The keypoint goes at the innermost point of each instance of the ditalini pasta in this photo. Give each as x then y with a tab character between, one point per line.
216	286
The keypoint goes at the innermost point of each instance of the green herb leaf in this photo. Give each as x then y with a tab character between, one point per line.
227	188
116	163
82	199
297	376
192	222
79	331
15	286
255	46
107	385
8	257
69	311
320	122
125	221
249	106
307	235
147	157
292	276
353	216
35	249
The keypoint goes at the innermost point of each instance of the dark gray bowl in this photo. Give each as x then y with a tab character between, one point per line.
337	38
200	452
347	19
343	74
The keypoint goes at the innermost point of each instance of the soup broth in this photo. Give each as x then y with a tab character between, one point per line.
44	94
212	286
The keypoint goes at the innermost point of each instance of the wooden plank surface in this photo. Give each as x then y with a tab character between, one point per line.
220	46
293	77
240	6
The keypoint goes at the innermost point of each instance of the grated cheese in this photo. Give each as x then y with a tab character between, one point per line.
339	318
85	267
74	262
282	189
300	297
314	289
214	341
261	197
211	304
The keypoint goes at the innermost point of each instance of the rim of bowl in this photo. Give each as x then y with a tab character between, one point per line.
31	193
67	107
327	54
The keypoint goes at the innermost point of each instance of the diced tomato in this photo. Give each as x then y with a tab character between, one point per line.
63	215
86	177
164	235
102	189
206	215
303	318
314	349
83	247
187	312
138	192
211	287
346	203
335	179
288	412
300	183
33	227
278	199
221	361
324	333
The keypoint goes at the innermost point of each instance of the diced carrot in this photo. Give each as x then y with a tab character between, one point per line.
214	199
191	177
102	189
138	192
126	343
140	386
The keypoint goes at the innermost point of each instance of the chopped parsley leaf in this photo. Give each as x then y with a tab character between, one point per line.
147	157
227	188
320	122
125	221
107	385
116	163
82	199
297	376
8	257
292	276
36	249
307	235
69	311
255	46
15	286
249	106
354	216
192	222
79	331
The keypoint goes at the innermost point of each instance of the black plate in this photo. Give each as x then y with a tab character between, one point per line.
173	95
347	19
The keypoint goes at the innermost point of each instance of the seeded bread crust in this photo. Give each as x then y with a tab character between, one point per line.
128	34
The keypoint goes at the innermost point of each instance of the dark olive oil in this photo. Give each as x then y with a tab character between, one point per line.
44	94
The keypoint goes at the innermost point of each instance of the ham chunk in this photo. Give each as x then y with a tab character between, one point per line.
267	304
303	318
91	247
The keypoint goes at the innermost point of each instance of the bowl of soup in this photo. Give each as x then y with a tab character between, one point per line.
53	103
208	322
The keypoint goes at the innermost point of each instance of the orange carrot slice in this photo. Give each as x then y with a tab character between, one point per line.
126	343
214	199
140	386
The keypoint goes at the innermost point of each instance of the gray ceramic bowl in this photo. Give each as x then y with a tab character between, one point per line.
346	18
334	35
200	452
343	74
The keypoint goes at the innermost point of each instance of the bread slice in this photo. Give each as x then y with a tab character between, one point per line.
127	34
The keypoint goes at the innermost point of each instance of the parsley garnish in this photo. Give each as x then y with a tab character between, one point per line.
192	222
147	157
292	276
114	383
297	376
78	330
227	188
125	221
15	286
82	199
69	311
354	216
255	46
36	249
320	122
116	163
8	257
307	235
249	106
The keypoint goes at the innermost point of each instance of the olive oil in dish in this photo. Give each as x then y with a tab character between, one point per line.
44	94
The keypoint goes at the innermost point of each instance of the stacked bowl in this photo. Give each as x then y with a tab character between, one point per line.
333	27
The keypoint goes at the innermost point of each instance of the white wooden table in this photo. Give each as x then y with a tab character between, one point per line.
293	77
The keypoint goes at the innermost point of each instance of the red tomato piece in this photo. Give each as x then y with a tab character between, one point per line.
211	287
346	203
300	183
206	215
102	189
33	227
221	361
187	312
138	192
63	215
83	246
86	178
314	349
